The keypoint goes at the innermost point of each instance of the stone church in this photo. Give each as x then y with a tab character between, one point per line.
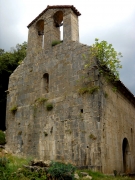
47	118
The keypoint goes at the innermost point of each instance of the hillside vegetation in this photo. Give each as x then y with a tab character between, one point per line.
12	168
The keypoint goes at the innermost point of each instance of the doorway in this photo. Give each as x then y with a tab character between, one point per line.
126	156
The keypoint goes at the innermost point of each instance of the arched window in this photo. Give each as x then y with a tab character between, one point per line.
40	30
40	27
58	22
46	82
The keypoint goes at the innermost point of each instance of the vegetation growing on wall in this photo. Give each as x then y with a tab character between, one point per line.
89	90
13	109
41	100
91	136
108	59
49	106
107	64
45	133
55	42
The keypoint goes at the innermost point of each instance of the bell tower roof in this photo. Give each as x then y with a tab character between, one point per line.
56	7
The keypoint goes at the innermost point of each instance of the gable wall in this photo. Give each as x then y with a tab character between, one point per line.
118	122
63	133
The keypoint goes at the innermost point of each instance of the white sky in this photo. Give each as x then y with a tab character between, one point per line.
110	20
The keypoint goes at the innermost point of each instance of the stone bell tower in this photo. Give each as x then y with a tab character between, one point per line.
45	28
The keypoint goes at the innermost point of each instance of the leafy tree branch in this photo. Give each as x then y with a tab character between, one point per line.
107	57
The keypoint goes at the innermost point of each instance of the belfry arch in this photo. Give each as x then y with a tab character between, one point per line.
58	18
58	22
40	31
40	27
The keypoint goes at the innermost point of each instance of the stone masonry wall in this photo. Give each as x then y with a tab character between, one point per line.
71	131
118	122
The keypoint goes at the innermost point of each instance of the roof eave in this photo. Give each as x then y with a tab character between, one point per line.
55	7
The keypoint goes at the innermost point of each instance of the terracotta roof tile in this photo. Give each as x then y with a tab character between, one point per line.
56	7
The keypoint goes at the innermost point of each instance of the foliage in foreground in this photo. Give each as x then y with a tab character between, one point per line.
2	138
11	168
62	171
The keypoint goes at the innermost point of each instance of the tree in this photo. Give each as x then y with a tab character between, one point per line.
108	63
9	60
8	63
107	57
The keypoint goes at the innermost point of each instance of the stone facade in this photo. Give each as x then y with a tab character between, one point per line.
93	130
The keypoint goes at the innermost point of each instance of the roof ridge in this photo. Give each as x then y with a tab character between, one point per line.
56	6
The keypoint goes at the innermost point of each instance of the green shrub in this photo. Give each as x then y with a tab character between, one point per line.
91	136
2	138
49	106
26	174
13	109
46	134
61	171
105	95
55	42
41	100
89	90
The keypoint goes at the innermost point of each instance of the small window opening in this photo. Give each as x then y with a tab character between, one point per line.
46	82
132	141
81	110
43	41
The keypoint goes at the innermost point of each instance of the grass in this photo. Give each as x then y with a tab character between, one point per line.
11	168
89	90
100	176
9	165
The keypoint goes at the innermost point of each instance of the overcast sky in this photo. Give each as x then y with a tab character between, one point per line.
110	20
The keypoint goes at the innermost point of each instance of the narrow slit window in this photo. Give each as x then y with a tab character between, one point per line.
61	32
46	82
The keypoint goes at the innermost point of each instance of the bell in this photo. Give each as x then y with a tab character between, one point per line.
58	25
40	33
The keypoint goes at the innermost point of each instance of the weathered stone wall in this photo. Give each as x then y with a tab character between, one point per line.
71	131
118	122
